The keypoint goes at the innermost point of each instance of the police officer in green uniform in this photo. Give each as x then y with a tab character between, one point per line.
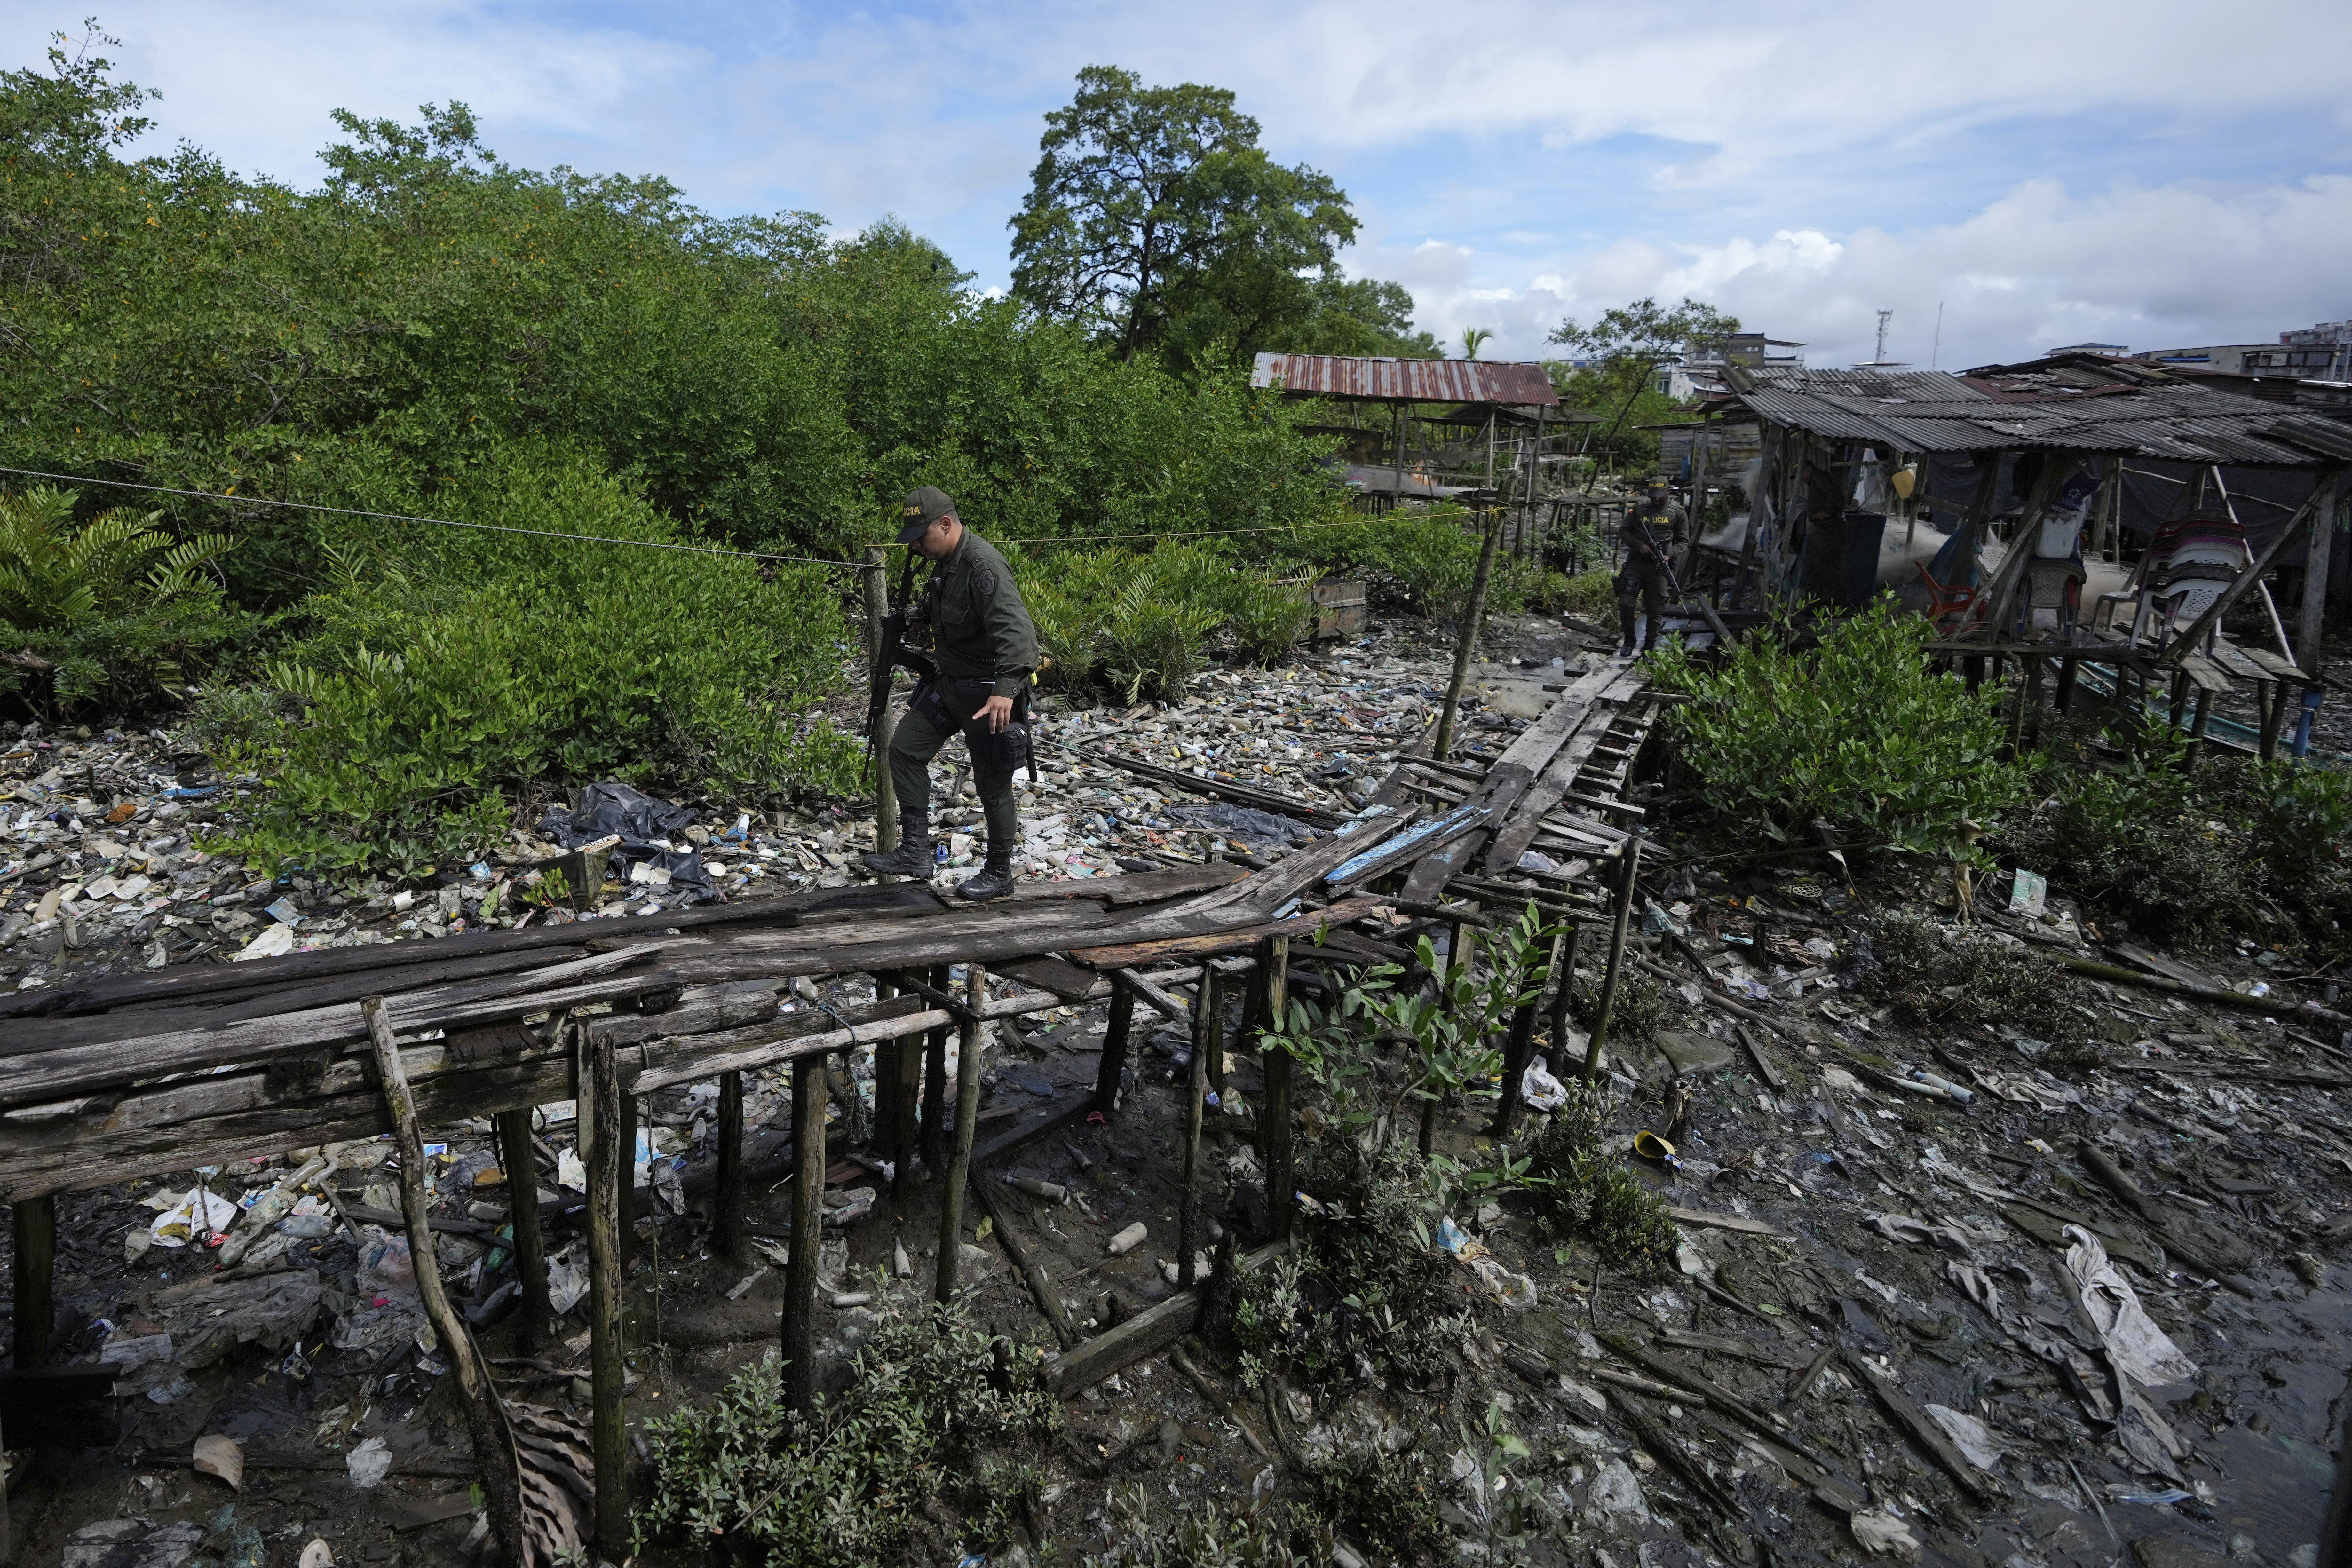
984	645
1652	534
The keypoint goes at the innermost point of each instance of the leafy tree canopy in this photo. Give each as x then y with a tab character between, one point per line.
1155	221
1621	353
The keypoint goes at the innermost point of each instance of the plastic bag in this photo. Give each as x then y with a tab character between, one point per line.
1539	1090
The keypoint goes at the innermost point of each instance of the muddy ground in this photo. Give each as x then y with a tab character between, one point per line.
1916	1236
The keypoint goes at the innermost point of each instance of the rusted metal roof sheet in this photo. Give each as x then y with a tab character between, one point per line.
1926	412
1404	380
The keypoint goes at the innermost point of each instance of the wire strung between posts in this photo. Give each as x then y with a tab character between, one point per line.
437	522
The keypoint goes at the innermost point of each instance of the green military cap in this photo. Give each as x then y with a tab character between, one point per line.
920	511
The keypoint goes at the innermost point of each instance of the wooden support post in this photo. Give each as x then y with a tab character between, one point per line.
1207	1003
907	1089
809	1097
1113	1067
967	1116
727	1201
530	1246
608	1192
1213	1001
2198	726
34	1276
2273	705
2063	696
1274	1128
1467	648
2180	698
874	576
1564	995
1629	854
494	1457
628	1120
1519	1046
935	1085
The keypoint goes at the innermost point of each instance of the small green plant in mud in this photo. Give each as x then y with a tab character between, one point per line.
1640	1011
1582	1190
1366	1292
1956	980
1147	1532
925	1417
1382	1502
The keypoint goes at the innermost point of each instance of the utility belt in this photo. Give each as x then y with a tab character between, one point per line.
953	704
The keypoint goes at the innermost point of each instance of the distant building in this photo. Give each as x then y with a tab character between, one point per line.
2113	351
2323	352
1700	373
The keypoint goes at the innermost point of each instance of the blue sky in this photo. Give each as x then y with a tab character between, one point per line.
2154	174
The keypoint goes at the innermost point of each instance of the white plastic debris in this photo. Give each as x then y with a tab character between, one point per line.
1128	1240
2141	1351
369	1464
1884	1534
180	1224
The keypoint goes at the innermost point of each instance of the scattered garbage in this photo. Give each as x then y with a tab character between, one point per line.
216	1455
1650	1146
641	831
1538	1090
1251	826
1128	1240
181	1223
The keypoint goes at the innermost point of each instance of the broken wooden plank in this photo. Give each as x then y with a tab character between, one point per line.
1915	1425
1133	955
1714	1221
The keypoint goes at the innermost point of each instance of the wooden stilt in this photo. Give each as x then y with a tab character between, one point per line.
727	1202
35	1263
494	1458
809	1098
886	1074
627	1116
1114	1051
608	1195
2271	703
2180	698
907	1089
1214	1003
1275	1114
1207	1003
935	1086
2063	696
2198	726
1629	854
1563	995
1519	1047
967	1117
530	1246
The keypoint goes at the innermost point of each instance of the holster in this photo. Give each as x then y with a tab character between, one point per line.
956	704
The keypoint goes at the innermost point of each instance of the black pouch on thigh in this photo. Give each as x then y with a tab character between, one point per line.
999	754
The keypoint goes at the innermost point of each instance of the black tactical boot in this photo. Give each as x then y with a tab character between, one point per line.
996	879
913	857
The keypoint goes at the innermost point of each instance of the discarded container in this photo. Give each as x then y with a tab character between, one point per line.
1128	1240
1650	1146
2029	894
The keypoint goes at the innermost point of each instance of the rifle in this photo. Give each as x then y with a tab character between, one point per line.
891	655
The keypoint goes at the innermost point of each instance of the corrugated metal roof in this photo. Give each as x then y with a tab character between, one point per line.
1404	380
2055	407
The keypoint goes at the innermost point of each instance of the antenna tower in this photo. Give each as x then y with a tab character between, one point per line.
1880	356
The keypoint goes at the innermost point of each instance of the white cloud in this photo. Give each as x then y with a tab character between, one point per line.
2150	267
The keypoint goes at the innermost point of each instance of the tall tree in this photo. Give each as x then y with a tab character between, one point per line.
1624	347
1156	220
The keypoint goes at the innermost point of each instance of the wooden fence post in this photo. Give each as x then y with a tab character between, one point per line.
727	1201
1467	648
1206	1003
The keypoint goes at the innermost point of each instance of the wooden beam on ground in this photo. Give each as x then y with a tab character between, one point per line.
1025	1262
1146	1333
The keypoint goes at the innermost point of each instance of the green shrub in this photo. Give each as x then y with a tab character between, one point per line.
2186	854
113	610
1959	981
1858	732
1135	625
1366	1285
846	1486
426	699
1582	1189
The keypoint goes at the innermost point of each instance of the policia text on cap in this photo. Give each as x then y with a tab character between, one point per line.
984	646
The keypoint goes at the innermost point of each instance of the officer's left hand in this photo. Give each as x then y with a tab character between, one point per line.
998	711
